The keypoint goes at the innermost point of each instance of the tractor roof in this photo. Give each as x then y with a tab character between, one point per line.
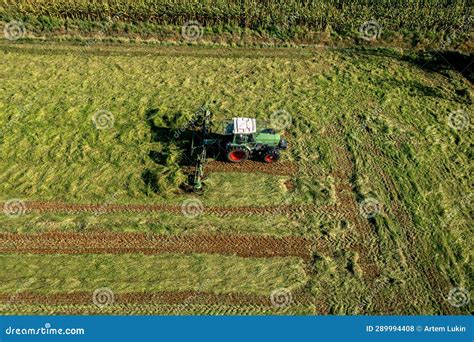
242	126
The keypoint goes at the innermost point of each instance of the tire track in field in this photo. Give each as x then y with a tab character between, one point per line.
160	309
166	297
348	204
220	211
120	243
250	166
107	49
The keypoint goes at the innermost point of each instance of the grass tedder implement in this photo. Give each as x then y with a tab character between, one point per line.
237	140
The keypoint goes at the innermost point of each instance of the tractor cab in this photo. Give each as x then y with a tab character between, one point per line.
241	130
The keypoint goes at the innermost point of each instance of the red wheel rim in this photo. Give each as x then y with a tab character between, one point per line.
270	158
236	155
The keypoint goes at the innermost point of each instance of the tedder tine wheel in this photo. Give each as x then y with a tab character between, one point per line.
237	155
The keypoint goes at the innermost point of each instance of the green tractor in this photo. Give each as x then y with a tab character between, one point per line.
243	141
237	139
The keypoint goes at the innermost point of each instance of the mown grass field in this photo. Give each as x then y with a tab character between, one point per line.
219	274
366	124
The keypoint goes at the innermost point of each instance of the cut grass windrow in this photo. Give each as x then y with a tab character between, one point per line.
121	243
250	166
123	273
220	211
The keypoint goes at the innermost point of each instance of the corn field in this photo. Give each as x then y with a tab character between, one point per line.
339	16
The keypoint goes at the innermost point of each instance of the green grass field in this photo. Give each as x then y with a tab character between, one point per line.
366	125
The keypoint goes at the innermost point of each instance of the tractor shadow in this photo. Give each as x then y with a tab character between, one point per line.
167	135
175	141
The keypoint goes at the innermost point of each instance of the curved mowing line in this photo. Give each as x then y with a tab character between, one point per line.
121	243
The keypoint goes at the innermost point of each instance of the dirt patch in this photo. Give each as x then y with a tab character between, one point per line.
290	185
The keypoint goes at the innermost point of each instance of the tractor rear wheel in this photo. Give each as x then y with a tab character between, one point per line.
271	157
237	155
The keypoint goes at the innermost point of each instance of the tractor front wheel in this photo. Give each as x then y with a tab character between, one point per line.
237	155
271	157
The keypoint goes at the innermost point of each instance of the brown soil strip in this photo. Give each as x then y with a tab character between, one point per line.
120	243
221	211
171	297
